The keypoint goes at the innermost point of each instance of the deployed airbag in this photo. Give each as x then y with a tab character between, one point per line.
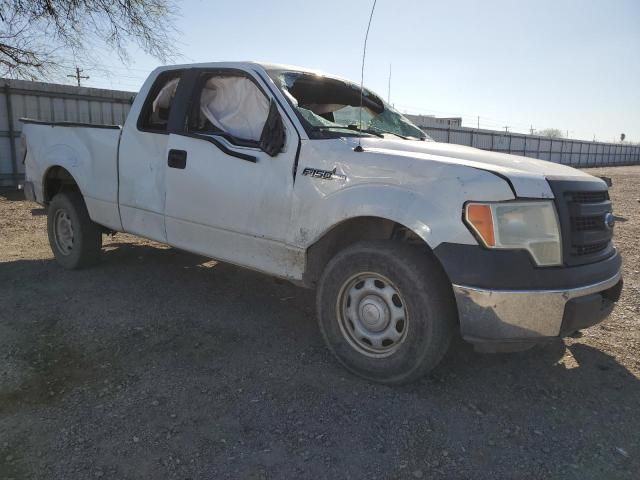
235	105
165	95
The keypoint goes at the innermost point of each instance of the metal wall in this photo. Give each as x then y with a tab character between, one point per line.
50	102
577	153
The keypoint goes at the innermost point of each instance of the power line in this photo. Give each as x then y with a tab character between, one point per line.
105	66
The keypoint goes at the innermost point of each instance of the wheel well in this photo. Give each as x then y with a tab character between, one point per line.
349	232
56	180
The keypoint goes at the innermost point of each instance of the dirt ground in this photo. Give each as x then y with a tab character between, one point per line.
161	364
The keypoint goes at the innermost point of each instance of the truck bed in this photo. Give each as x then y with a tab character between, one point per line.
88	152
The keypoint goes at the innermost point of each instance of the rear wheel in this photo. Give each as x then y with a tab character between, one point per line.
74	238
386	310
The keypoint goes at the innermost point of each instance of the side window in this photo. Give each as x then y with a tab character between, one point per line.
155	112
229	104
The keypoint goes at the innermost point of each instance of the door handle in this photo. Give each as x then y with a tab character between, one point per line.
177	159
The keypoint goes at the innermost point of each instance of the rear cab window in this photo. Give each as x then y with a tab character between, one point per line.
154	116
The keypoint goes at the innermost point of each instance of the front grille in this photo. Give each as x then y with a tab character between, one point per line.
589	197
582	207
583	224
589	249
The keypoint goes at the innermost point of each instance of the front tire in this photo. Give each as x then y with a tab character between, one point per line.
74	238
386	310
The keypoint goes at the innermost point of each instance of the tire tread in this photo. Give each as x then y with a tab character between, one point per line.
88	238
429	281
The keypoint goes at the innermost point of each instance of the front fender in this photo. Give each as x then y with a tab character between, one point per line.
430	207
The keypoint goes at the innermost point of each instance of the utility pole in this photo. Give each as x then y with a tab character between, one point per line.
506	129
478	122
77	76
532	130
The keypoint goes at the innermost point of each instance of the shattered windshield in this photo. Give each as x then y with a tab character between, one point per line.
330	108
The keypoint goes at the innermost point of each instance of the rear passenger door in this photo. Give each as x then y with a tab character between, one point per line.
226	197
142	160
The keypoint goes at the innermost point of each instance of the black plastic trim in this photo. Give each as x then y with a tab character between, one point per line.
238	142
220	145
295	162
177	159
29	191
273	136
182	101
70	124
475	266
587	311
567	209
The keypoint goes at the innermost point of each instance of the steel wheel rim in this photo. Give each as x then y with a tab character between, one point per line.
63	232
372	314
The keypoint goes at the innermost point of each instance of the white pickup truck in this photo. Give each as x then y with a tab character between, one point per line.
300	175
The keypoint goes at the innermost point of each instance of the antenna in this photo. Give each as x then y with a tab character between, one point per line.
389	87
364	54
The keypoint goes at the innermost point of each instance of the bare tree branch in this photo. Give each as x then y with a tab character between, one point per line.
37	36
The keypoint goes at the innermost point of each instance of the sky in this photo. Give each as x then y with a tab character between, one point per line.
567	64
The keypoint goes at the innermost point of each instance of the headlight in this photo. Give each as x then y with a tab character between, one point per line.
528	225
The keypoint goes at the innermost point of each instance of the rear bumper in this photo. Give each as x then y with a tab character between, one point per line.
524	317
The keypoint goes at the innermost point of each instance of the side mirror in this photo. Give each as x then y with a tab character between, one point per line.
272	137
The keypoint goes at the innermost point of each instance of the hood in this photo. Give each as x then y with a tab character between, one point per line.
527	176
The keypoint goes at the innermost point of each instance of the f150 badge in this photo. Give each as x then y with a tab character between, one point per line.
324	174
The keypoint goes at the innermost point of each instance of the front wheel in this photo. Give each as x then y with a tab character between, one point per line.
386	310
74	238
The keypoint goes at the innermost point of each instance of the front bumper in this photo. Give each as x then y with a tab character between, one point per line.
524	317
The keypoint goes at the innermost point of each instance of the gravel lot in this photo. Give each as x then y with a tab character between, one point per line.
162	364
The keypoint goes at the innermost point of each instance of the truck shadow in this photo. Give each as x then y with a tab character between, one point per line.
11	194
238	355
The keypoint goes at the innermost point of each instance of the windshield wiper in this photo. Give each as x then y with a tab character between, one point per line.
378	132
320	128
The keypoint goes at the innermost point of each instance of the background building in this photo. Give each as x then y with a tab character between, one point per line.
433	121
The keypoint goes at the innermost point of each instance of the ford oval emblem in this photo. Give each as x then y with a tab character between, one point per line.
609	221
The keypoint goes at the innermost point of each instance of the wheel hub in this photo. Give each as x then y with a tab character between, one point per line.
372	314
63	232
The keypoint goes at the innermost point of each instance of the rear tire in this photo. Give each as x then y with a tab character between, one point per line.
386	310
74	238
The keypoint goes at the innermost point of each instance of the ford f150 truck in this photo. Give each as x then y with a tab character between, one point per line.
310	178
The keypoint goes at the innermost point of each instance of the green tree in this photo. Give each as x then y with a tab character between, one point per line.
551	133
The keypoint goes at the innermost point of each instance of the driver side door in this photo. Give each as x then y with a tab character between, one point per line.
226	197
